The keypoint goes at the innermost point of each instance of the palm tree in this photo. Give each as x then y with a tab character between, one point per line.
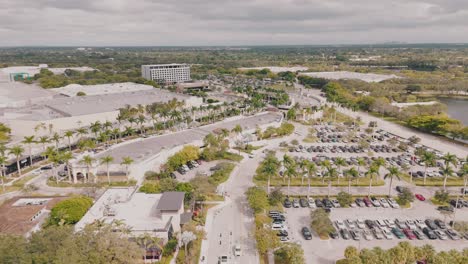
82	131
17	151
147	242
446	171
29	141
66	157
127	161
361	162
88	161
450	159
290	172
463	173
340	162
373	170
303	164
56	137
428	158
270	168
107	160
95	128
43	140
393	172
311	171
350	175
69	134
54	156
331	174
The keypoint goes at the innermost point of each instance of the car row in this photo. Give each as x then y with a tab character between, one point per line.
188	166
279	224
400	229
376	202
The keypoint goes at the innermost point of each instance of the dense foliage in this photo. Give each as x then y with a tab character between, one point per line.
69	211
97	244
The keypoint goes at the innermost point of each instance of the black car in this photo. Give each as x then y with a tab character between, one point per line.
370	224
429	233
446	208
345	234
400	189
355	235
279	218
327	203
318	203
440	224
303	202
46	167
431	224
456	204
282	233
306	233
334	235
287	203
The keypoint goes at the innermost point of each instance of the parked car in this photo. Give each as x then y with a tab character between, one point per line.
387	233
318	203
355	235
375	202
384	203
420	197
282	233
367	202
311	202
456	204
411	224
390	223
367	235
393	203
440	224
409	234
370	224
350	223
340	224
453	234
345	234
400	223
446	208
431	224
287	203
420	224
295	203
335	203
397	232
441	234
303	202
418	234
429	233
377	233
237	251
360	224
360	202
306	233
334	234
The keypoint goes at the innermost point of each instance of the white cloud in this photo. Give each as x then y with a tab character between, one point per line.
230	22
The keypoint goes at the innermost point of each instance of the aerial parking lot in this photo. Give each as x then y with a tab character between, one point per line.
373	227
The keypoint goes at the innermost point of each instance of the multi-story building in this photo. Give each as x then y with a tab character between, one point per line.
166	73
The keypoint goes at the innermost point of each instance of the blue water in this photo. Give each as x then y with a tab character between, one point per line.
456	108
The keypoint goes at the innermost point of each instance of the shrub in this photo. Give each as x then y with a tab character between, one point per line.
275	197
442	196
405	196
150	188
69	211
258	199
344	198
321	223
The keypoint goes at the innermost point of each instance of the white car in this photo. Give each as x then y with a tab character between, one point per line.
381	223
384	203
278	227
401	223
340	224
411	224
237	251
350	223
387	233
441	234
284	239
375	202
393	203
335	203
390	223
420	223
360	223
367	235
378	233
311	203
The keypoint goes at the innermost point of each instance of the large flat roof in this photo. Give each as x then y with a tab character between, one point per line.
62	106
137	210
366	77
109	88
145	148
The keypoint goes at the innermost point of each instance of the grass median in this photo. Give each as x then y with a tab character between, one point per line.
317	182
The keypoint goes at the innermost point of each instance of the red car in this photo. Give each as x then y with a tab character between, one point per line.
367	201
420	197
409	234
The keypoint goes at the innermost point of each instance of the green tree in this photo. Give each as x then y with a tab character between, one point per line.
258	199
321	223
373	171
442	196
393	172
345	199
405	196
107	160
69	211
29	140
446	171
290	253
69	134
428	158
350	175
17	151
127	161
88	161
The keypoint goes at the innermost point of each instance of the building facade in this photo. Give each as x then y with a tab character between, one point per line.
166	73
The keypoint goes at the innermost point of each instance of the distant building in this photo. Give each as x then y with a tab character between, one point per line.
166	73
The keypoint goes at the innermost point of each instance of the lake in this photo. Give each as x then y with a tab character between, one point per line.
456	108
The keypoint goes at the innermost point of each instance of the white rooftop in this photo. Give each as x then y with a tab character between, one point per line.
137	211
366	77
111	88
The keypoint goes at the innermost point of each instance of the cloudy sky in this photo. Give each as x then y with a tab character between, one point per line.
230	22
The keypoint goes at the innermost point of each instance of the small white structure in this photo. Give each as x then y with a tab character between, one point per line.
158	215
